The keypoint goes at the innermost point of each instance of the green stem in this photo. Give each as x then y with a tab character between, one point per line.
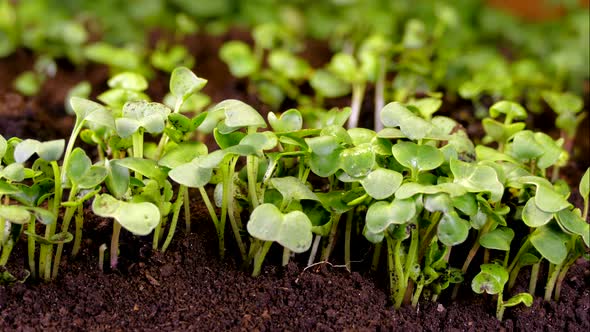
358	92
376	256
229	201
347	235
513	275
523	249
176	213
379	93
64	228
259	258
500	307
553	275
79	219
561	277
101	250
471	255
187	212
314	249
429	233
6	250
332	237
31	246
534	277
115	244
164	139
252	169
75	132
286	256
417	293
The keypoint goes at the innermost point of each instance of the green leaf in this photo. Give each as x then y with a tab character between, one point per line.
549	200
3	147
500	132
129	81
510	109
239	114
290	120
345	67
357	161
291	230
477	178
525	298
438	202
550	243
412	126
585	185
325	153
7	188
145	167
191	174
524	146
381	215
288	64
563	102
571	221
78	166
417	157
182	154
534	216
14	214
426	106
381	183
261	141
291	188
329	85
50	150
87	110
117	180
14	172
490	280
239	57
138	218
183	83
498	239
452	229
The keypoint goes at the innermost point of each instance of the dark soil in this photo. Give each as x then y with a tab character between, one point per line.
188	288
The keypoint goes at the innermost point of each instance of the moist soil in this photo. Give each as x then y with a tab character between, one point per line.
190	288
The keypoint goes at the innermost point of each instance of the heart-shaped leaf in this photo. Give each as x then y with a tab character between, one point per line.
138	218
357	161
239	114
498	239
49	151
191	174
381	215
533	216
510	109
571	221
183	83
87	110
291	188
585	185
477	178
328	84
382	183
417	157
290	120
412	126
490	280
291	230
452	230
117	180
129	81
14	214
524	298
239	57
550	243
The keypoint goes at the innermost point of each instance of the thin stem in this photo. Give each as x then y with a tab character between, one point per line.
347	234
534	277
379	93
417	293
358	92
115	244
64	228
259	258
164	139
500	307
187	212
79	219
332	237
6	250
286	256
553	275
376	256
101	250
314	249
470	256
31	246
252	170
75	132
229	201
561	277
176	213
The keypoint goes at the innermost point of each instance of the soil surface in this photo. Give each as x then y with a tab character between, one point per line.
189	288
